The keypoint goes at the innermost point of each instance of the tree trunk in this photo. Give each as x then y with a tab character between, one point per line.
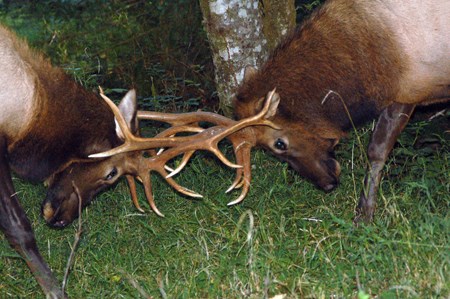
242	33
278	19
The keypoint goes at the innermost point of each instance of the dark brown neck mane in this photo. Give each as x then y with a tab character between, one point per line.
72	124
322	57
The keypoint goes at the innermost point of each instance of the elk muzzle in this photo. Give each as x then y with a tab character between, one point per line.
60	211
324	173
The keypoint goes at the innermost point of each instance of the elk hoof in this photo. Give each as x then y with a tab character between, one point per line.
362	218
364	211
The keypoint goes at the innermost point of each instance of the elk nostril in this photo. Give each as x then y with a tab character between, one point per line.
60	224
57	223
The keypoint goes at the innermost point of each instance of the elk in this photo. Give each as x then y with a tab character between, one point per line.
348	63
49	128
48	125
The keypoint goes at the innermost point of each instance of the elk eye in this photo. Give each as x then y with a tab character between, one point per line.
280	145
111	175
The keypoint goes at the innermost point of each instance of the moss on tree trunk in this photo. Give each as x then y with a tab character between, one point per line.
238	34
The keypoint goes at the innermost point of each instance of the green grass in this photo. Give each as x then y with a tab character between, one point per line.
286	238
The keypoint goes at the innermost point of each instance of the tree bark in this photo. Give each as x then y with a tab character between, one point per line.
278	19
234	30
241	33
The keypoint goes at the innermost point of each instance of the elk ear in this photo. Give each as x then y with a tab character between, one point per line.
333	142
128	109
249	72
274	101
332	137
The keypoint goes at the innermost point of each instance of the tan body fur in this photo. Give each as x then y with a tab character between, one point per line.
364	58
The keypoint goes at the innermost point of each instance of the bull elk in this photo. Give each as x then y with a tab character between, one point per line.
50	125
350	62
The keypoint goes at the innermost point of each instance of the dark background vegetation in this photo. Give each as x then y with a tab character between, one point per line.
158	47
286	238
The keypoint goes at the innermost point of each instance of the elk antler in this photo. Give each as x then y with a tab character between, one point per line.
239	133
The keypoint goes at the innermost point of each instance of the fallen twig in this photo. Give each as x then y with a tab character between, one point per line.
76	239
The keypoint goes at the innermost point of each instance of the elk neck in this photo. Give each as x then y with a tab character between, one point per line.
68	123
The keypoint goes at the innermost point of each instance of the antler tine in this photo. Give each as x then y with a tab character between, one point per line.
133	143
183	163
224	159
242	152
246	187
214	146
146	181
144	176
179	119
159	167
134	197
238	181
206	140
183	190
258	119
268	102
172	131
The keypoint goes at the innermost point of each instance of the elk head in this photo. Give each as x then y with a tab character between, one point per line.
308	150
90	176
311	155
132	159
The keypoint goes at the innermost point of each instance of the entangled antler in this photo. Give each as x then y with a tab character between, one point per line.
239	133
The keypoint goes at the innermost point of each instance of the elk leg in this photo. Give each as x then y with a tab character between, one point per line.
390	124
17	229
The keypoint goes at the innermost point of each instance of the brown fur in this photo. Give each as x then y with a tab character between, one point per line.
65	109
49	124
61	107
351	61
329	53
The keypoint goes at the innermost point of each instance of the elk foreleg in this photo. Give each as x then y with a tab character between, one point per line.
17	229
390	124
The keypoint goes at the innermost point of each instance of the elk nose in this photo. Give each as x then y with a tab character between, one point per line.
330	184
51	216
58	223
